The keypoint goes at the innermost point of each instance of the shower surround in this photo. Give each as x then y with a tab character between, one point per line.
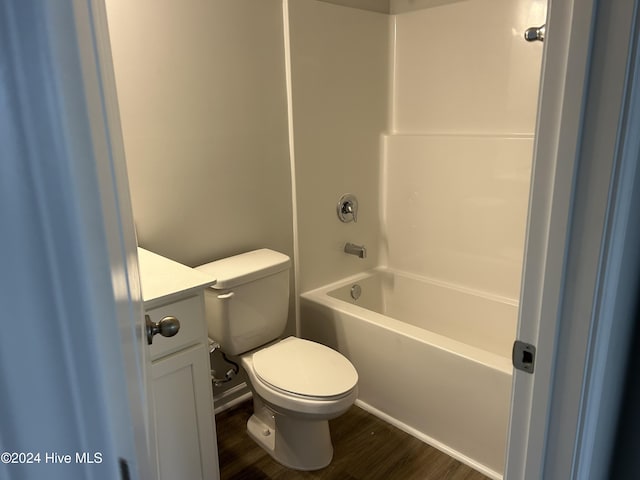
428	117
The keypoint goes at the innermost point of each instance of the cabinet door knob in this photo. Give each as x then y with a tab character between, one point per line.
167	327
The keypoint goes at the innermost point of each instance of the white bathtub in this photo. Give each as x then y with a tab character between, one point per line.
432	359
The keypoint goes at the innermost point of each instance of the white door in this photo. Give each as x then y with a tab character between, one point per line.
73	396
563	416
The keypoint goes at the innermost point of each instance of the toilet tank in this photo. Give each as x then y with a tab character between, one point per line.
248	306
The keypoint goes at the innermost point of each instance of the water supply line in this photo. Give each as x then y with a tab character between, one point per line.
230	374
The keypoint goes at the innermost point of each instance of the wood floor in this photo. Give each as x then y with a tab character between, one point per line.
365	448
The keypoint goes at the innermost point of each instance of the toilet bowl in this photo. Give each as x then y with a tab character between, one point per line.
301	377
297	385
291	411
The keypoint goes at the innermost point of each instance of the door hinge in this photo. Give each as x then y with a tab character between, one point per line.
523	356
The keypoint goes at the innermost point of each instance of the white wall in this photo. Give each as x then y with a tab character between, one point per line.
458	160
339	58
201	87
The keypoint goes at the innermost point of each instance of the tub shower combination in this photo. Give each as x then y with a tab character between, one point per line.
426	362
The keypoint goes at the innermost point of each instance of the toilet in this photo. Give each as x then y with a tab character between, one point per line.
297	385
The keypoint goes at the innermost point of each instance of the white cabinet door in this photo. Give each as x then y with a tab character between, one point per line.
183	413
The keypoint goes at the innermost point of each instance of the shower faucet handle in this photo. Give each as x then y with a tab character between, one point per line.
348	208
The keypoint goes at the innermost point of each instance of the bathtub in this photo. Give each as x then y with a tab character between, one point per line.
432	359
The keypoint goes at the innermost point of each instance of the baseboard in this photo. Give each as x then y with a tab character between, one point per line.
430	441
231	397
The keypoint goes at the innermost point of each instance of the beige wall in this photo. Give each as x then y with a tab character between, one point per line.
202	94
339	61
201	86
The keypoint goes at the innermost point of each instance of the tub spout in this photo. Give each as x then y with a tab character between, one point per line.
358	250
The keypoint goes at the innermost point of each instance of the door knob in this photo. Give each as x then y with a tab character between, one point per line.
167	327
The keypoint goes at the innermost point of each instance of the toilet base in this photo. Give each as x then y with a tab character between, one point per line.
295	442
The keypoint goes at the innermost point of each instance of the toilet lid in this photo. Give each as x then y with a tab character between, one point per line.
305	368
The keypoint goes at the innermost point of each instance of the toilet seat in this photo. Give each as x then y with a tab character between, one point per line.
305	369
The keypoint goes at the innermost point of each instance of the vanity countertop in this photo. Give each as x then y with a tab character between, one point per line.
164	279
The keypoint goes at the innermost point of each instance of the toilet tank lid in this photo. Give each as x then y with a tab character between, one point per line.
246	267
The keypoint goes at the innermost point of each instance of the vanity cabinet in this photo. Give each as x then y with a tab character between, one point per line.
180	383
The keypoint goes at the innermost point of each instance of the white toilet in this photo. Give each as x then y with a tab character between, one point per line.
297	385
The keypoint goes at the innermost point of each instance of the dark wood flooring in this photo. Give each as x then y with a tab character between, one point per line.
365	448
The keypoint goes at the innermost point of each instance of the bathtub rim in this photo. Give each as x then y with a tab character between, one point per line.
468	352
514	302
